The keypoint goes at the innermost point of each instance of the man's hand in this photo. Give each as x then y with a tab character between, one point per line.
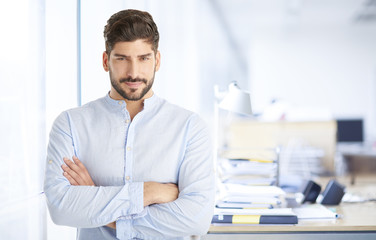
159	193
76	172
77	175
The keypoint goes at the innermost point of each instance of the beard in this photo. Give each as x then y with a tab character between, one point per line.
132	95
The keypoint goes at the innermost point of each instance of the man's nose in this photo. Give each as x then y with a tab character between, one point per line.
132	70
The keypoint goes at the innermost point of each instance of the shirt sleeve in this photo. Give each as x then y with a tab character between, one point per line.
83	206
192	212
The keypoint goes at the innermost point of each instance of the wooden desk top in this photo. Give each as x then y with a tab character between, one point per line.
353	216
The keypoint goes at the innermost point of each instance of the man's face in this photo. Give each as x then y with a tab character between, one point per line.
132	66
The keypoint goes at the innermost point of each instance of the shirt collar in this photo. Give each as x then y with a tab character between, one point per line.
148	103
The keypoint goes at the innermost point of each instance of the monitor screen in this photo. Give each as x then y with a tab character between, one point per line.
350	130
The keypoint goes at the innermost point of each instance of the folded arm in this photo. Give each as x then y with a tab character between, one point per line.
83	206
93	206
189	214
74	200
154	193
192	212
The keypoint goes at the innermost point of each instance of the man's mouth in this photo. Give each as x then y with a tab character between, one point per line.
133	84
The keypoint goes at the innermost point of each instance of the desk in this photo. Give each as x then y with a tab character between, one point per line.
358	222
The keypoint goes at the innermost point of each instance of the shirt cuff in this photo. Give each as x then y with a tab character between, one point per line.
136	193
123	228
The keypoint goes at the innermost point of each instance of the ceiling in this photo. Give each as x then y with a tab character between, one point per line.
304	12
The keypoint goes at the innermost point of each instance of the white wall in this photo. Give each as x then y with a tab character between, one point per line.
316	65
61	78
61	58
22	122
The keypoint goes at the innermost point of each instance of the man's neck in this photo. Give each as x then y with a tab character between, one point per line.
133	107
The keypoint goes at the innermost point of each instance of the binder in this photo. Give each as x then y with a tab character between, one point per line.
255	219
253	216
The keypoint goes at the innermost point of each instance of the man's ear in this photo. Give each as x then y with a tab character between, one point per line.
157	60
105	58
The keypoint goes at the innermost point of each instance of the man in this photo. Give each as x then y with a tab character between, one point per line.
141	167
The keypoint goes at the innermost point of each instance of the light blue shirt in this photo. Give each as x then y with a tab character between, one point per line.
163	143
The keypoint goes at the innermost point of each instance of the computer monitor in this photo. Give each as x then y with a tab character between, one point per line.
350	131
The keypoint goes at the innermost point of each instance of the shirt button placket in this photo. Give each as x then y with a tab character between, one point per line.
128	149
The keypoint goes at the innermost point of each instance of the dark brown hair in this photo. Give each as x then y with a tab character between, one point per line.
128	26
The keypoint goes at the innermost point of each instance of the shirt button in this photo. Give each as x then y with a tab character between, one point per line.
127	121
50	161
128	148
120	102
127	177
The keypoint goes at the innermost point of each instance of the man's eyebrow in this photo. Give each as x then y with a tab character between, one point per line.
120	55
145	55
125	56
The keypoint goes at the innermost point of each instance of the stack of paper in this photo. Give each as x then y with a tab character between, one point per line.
238	196
255	199
252	191
246	167
247	194
248	171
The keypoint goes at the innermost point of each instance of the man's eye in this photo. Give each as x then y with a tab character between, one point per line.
120	59
145	58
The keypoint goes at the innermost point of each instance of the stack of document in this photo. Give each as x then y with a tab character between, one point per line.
247	194
252	191
248	171
237	196
242	204
248	167
248	203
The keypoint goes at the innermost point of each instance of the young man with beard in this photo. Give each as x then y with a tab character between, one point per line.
141	167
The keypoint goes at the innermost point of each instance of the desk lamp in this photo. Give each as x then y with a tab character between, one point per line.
236	100
233	100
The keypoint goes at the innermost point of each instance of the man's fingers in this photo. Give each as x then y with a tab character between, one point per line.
70	179
77	171
72	174
71	165
79	163
84	173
